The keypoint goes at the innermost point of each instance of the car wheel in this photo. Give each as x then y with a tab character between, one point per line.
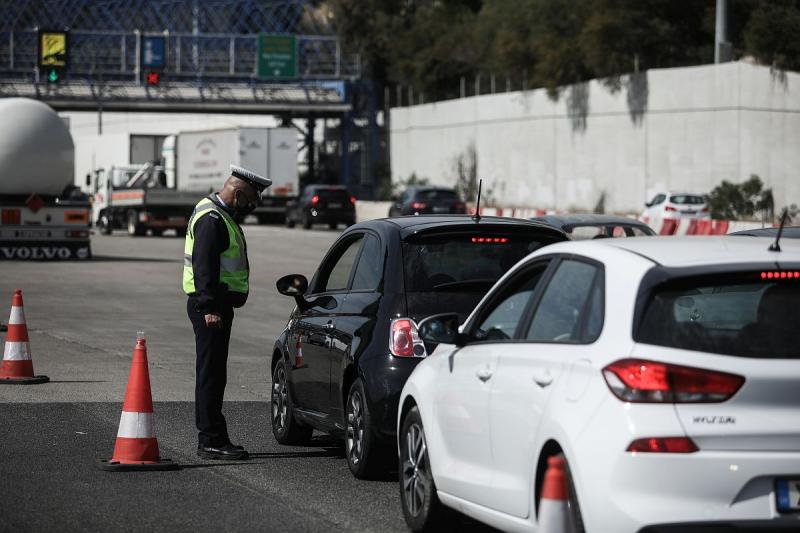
332	225
422	509
134	228
284	426
306	221
289	222
105	224
572	503
365	455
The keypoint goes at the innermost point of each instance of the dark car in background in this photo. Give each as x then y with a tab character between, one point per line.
427	200
581	227
322	204
351	341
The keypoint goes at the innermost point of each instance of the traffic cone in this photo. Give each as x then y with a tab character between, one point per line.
136	447
554	515
17	366
299	362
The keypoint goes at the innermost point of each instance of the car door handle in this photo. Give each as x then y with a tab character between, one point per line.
543	379
484	374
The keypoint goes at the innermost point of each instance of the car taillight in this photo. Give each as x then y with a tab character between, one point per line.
780	275
663	445
670	208
404	340
418	205
641	381
353	200
459	205
315	199
489	240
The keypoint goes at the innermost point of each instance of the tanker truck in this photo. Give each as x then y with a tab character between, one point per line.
42	214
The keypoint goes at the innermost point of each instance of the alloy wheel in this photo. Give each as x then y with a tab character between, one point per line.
279	399
415	477
355	428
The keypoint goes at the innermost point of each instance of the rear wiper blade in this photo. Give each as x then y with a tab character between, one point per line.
451	285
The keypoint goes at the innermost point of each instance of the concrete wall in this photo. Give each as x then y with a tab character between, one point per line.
681	129
93	150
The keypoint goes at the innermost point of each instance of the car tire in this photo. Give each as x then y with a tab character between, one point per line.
307	221
422	509
135	229
572	503
366	454
332	225
105	224
285	428
289	222
180	232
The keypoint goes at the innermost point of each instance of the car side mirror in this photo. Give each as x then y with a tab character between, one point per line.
441	328
294	285
648	204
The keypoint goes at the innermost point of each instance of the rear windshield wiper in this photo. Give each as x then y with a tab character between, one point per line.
465	283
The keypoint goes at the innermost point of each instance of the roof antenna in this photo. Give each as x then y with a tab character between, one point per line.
776	246
477	216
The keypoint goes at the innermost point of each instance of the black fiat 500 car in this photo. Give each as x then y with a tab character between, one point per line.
351	341
427	200
322	204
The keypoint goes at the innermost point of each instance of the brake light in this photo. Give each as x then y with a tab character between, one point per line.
459	205
663	445
315	199
404	339
641	381
78	234
418	205
780	275
11	217
489	240
670	208
353	200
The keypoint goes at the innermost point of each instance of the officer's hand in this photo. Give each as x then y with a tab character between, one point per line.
213	321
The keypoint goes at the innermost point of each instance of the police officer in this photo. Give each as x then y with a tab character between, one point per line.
216	279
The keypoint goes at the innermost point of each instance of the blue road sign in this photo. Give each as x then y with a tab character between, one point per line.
154	51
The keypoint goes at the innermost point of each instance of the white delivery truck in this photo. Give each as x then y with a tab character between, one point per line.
195	163
42	214
200	161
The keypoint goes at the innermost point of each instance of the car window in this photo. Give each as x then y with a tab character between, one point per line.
569	300
369	270
436	194
658	198
335	273
687	199
502	320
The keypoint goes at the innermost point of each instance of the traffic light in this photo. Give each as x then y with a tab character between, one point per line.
53	75
153	78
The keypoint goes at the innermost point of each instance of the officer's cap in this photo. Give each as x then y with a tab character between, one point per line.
259	182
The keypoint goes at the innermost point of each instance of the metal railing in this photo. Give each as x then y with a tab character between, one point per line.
114	55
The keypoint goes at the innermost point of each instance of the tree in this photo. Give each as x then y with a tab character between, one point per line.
732	201
772	34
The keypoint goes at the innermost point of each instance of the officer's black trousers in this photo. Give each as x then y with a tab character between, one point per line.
212	360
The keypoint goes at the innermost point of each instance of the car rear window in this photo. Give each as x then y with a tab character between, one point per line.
580	233
436	194
332	194
745	315
453	271
688	199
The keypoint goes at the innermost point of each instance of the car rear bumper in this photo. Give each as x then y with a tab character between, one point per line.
677	490
744	526
384	377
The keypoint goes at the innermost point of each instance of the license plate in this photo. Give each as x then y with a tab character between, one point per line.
689	212
441	209
334	206
32	233
788	499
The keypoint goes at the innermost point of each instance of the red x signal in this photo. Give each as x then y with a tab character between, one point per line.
153	78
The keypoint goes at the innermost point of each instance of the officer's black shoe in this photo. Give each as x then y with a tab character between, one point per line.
224	453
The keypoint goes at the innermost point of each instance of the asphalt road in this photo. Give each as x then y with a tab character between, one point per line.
83	318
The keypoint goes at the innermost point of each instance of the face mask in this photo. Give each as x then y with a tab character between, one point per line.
242	208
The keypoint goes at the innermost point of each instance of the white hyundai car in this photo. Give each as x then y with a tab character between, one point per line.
676	205
666	370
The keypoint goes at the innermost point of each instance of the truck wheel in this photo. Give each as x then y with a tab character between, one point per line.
306	221
105	224
157	232
134	228
289	222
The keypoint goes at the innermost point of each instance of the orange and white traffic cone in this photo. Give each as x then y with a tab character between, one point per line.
136	447
17	368
554	515
299	362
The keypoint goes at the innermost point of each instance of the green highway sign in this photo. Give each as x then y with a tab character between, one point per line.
277	56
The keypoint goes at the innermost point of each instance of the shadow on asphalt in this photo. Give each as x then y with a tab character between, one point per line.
125	259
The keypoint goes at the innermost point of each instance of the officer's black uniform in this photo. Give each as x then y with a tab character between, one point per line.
210	240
